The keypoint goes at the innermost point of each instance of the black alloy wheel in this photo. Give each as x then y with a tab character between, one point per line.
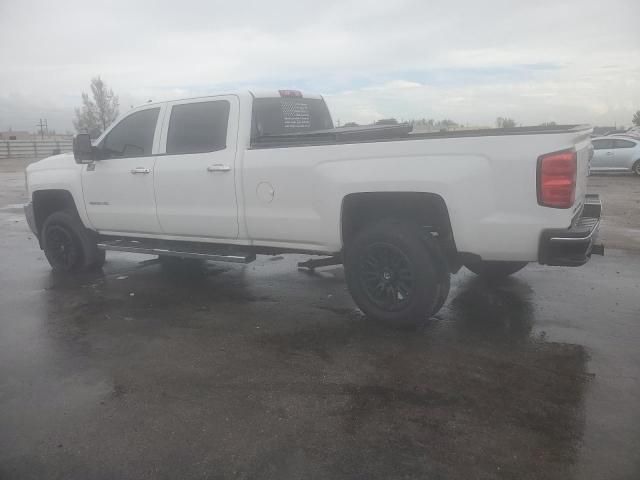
68	245
393	271
386	276
62	250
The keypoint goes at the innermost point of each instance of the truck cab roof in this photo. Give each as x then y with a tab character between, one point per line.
247	94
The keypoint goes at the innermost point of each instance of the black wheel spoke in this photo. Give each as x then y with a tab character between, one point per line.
394	294
386	276
404	288
404	274
61	248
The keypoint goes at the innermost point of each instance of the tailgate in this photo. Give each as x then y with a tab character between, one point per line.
584	151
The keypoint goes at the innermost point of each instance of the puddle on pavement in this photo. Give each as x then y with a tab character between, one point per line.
460	396
470	394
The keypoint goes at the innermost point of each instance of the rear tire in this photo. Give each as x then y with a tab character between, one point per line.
443	292
68	245
392	274
495	269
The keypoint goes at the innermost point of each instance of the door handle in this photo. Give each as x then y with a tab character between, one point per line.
218	168
140	170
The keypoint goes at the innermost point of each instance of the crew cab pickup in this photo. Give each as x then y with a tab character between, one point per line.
231	176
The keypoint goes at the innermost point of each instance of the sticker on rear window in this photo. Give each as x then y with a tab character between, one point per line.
295	114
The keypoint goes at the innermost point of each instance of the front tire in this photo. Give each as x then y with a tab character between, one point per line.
636	168
99	259
68	245
392	274
495	269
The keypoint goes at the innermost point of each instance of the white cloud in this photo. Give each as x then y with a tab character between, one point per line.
570	61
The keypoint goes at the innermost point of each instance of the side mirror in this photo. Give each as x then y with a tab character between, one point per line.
82	148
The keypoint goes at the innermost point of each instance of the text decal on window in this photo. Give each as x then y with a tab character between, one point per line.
295	114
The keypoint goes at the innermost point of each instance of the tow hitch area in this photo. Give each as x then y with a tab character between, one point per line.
574	246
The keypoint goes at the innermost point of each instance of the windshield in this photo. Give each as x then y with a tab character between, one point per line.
283	115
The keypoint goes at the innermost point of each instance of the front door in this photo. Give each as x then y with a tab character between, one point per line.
196	169
118	187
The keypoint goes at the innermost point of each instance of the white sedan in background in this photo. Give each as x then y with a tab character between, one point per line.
616	154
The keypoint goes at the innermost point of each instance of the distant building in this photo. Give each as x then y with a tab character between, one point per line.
387	121
15	135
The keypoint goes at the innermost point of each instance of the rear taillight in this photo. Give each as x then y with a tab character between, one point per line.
557	179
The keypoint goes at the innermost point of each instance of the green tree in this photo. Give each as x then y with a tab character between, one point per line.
98	112
636	119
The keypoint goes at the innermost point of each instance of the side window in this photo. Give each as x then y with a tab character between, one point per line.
623	144
602	144
132	137
198	127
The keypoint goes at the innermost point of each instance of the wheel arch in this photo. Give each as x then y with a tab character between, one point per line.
46	202
427	209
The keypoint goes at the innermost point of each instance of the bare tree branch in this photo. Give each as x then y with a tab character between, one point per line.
98	113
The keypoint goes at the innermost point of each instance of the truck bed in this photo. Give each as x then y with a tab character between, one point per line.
394	133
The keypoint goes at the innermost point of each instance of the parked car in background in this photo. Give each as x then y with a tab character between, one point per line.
616	154
633	134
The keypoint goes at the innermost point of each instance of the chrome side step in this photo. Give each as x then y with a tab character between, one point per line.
178	249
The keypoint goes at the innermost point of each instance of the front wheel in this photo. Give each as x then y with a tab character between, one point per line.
68	245
495	269
392	273
636	168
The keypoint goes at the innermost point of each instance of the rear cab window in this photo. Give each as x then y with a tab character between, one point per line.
287	114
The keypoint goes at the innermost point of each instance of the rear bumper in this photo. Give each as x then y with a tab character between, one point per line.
573	246
31	219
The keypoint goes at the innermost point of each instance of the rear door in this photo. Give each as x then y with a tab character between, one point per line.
603	154
196	168
118	187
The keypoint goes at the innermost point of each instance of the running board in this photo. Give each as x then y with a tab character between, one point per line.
215	253
314	263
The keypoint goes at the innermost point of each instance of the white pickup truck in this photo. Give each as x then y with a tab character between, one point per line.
231	176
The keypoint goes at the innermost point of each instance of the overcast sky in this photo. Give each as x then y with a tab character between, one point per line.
468	60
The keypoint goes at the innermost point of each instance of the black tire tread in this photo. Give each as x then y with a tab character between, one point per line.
92	257
419	248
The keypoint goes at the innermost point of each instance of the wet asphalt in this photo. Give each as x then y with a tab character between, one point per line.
262	371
